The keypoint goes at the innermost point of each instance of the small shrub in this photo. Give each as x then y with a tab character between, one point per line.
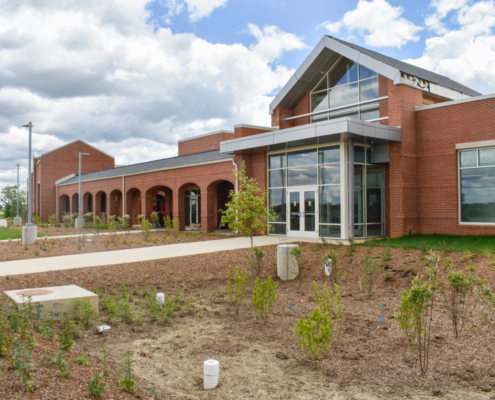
259	257
457	292
416	312
97	386
127	380
236	290
175	224
386	255
387	278
63	365
70	331
21	361
140	218
82	360
155	219
469	258
167	222
332	306
264	297
88	217
315	334
370	269
85	313
487	299
146	226
52	219
37	219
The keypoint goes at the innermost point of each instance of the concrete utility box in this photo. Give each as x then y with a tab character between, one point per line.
56	299
287	268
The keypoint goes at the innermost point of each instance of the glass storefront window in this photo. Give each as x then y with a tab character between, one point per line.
330	205
319	101
276	178
276	161
365	73
302	176
278	229
278	204
370	113
330	231
346	71
344	95
301	158
330	174
328	155
477	181
368	89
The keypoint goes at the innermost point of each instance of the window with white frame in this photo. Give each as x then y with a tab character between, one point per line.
477	185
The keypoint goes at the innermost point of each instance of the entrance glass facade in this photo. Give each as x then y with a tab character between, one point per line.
306	192
193	207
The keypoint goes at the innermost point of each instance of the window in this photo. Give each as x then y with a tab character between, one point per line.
477	186
346	83
329	191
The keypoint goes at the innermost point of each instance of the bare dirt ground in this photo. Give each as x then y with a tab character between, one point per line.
51	247
263	361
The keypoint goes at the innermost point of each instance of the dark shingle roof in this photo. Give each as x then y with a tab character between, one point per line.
410	69
165	163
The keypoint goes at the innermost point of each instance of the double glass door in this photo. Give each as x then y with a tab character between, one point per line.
302	212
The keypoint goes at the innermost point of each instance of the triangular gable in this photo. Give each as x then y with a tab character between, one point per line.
74	141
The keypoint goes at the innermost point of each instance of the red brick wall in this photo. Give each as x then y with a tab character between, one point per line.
205	143
438	131
432	98
61	163
300	109
280	114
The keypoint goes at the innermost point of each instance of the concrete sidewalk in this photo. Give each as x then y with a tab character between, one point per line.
34	265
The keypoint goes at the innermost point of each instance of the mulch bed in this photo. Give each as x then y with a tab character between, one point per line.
51	247
372	353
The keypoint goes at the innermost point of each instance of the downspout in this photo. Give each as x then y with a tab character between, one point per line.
56	200
123	196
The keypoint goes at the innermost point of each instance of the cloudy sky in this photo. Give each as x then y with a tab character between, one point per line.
133	76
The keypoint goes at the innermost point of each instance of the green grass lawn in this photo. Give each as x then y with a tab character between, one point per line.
13	233
474	244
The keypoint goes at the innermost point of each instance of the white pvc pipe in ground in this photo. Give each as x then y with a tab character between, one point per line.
160	298
212	369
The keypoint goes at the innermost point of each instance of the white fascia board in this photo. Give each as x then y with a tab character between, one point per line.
154	170
309	59
205	134
475	145
341	49
455	102
447	93
262	128
380	68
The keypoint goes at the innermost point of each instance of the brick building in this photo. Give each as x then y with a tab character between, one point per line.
361	145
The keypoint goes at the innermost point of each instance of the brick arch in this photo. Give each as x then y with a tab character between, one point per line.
164	207
74	206
114	203
133	205
87	203
63	206
100	204
216	195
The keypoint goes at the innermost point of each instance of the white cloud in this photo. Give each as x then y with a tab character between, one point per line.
97	71
465	54
379	22
197	9
332	27
442	8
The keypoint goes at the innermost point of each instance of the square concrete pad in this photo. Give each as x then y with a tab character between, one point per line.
56	299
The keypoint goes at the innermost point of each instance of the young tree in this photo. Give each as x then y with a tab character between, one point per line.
247	212
8	198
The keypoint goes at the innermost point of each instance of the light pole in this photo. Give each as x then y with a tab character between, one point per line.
29	232
17	218
80	218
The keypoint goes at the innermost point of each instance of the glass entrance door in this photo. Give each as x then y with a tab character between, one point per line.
302	212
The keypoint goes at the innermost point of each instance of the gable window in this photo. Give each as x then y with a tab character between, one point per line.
347	83
477	186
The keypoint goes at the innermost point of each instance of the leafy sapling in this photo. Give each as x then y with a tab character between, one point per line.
21	361
97	386
127	380
236	289
369	269
264	297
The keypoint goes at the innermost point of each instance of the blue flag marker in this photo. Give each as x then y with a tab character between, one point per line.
290	307
382	319
381	306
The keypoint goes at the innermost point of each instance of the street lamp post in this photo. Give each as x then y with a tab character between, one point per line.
29	232
80	218
17	218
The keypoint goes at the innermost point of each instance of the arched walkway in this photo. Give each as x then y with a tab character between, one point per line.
87	203
158	199
74	203
216	196
101	205
187	206
133	204
63	206
115	203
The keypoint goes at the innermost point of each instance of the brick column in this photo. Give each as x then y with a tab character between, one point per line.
208	205
179	207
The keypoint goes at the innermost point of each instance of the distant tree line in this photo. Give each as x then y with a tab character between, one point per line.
8	202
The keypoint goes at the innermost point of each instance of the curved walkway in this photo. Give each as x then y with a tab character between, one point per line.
34	265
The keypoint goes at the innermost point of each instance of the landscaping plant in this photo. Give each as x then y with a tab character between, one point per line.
66	219
127	380
370	269
63	365
260	257
85	313
21	362
140	218
146	226
416	313
167	222
487	299
97	386
297	253
315	334
351	248
247	213
82	360
457	292
264	297
236	289
155	219
176	224
332	306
